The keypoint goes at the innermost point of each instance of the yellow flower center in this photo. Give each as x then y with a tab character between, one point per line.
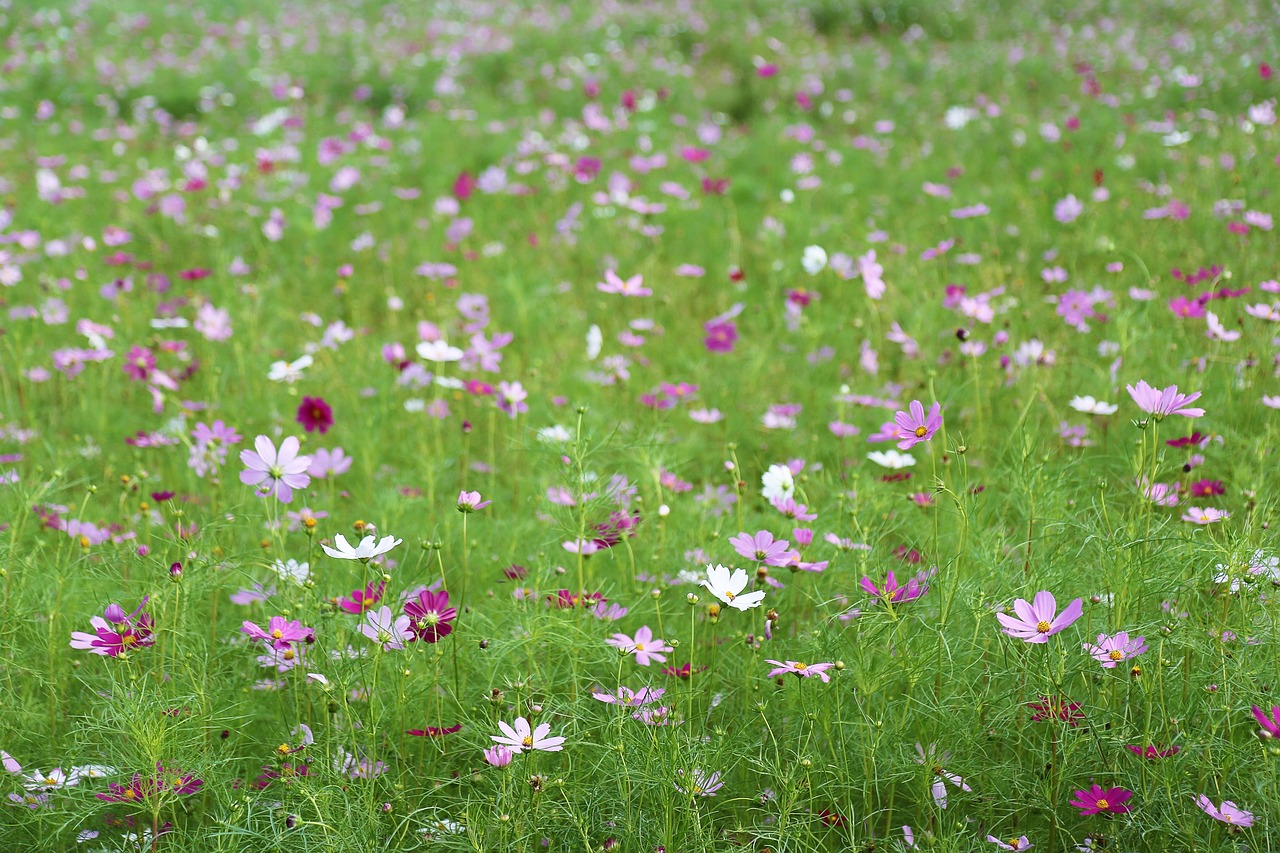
527	743
1103	804
639	647
1043	627
289	654
284	749
277	634
728	595
129	794
49	780
129	639
1116	654
920	431
801	666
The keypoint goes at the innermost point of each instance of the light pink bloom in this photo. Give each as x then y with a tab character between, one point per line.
643	646
633	286
801	670
275	472
1036	621
1162	402
1228	812
1110	651
385	628
523	737
1206	515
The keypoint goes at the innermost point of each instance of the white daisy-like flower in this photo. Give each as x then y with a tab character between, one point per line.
555	434
728	587
439	351
289	371
292	570
814	259
366	550
1090	406
778	481
892	459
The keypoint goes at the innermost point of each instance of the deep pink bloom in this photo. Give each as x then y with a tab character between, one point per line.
1097	799
1056	708
721	335
1270	723
139	362
913	426
1162	402
280	632
1036	621
117	632
362	600
892	593
273	472
435	731
430	615
315	415
1153	752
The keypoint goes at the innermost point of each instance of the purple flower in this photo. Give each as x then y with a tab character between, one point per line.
280	632
470	502
800	670
326	464
891	593
1229	813
1270	724
429	615
1036	621
1068	209
1097	799
117	632
1162	402
1111	650
390	631
273	472
763	548
914	426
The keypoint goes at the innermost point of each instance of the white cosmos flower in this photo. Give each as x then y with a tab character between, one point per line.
366	550
595	341
439	351
292	570
285	371
555	434
1090	406
728	587
778	481
892	459
814	259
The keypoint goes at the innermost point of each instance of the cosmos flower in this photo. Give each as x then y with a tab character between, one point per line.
289	372
430	615
1162	402
763	548
116	633
642	645
439	351
698	783
1270	722
800	670
630	698
930	758
892	593
1205	515
728	587
365	551
387	629
778	482
522	737
1012	844
280	632
498	756
315	415
1098	799
362	600
1090	406
1036	622
470	502
914	426
1110	651
892	459
273	472
633	286
1229	813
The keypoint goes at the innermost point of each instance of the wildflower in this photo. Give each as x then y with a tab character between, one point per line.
814	259
778	482
470	502
892	459
913	426
1090	406
435	731
633	286
55	779
891	593
522	737
699	783
1228	812
281	634
1097	799
498	756
1036	621
362	600
800	670
292	571
643	646
763	548
327	464
430	615
1013	843
289	372
1058	708
1206	515
1111	650
388	630
116	633
728	587
1270	724
941	777
365	551
1162	402
273	472
1153	752
630	698
439	351
315	415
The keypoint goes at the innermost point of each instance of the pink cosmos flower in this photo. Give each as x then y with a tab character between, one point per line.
1270	723
470	502
763	548
315	415
523	737
1036	621
1097	799
630	698
273	472
913	427
280	632
1153	752
1162	402
800	670
430	615
1013	843
930	758
383	627
1205	515
1228	812
498	756
633	286
1111	650
894	594
699	784
362	600
115	633
643	646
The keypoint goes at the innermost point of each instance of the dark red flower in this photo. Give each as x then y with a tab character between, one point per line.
435	731
314	414
1056	708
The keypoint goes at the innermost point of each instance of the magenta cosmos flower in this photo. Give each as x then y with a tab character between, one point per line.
1270	723
115	632
362	600
891	593
522	737
280	632
800	670
275	472
429	615
1036	621
471	502
1097	799
643	646
315	415
763	548
1110	651
1228	812
914	426
1162	402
